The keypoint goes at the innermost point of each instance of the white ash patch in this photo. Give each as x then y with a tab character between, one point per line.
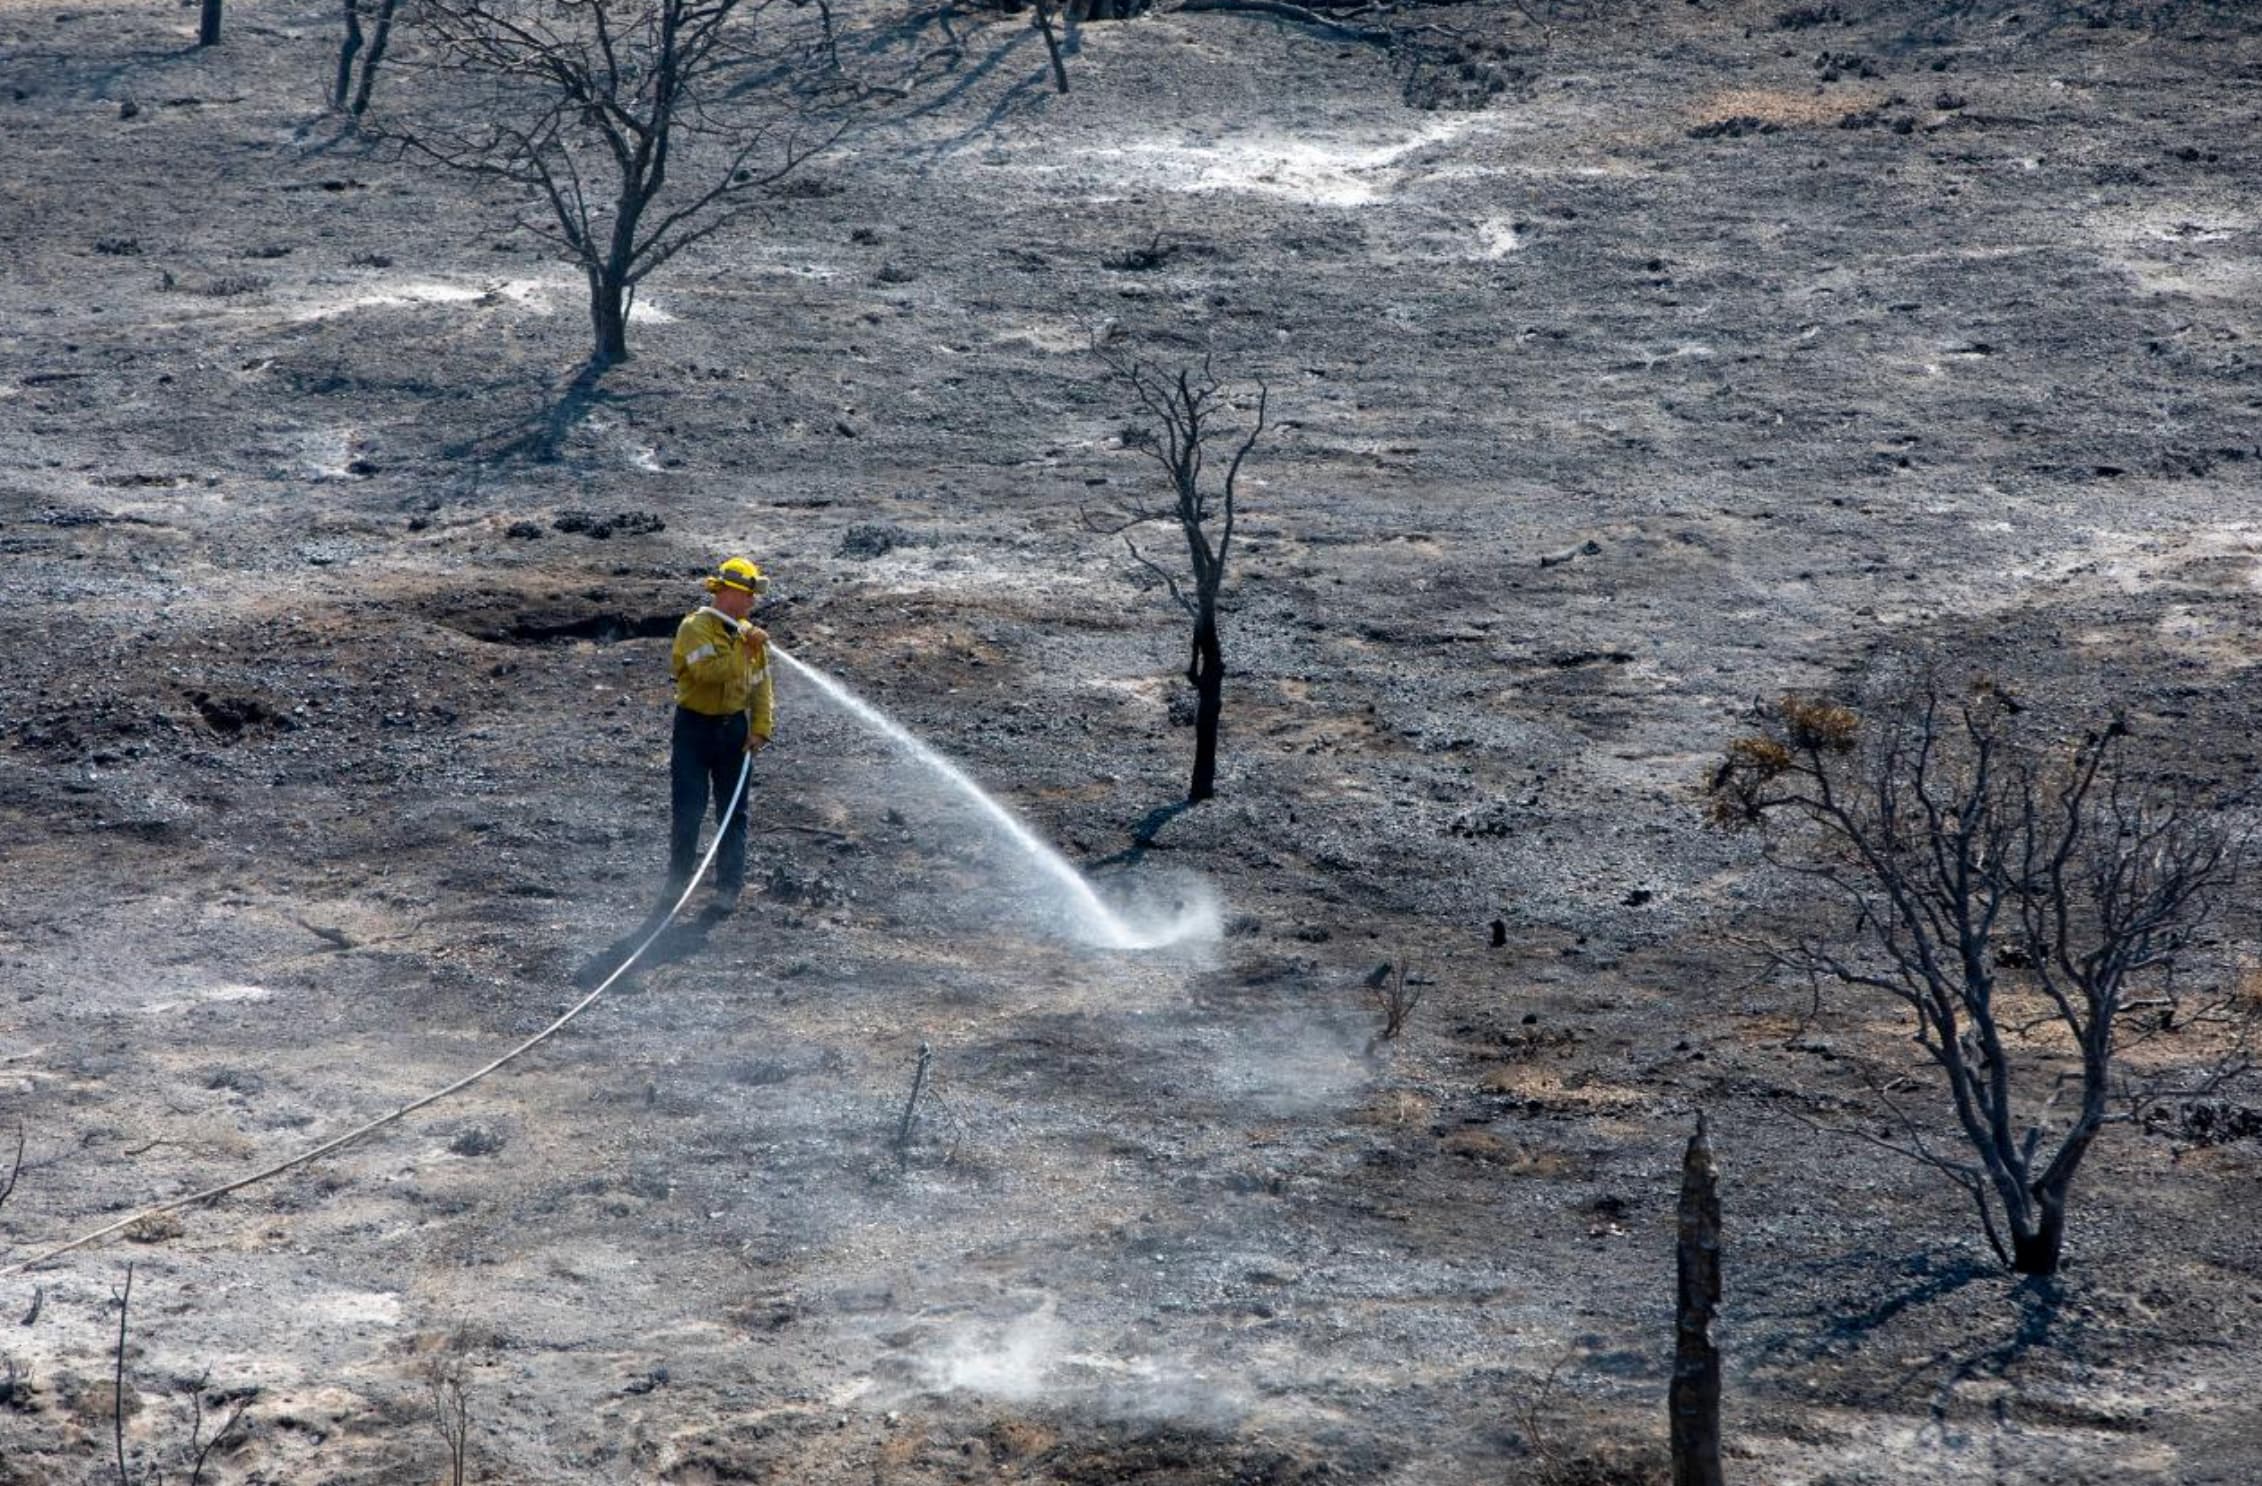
532	296
1339	170
222	994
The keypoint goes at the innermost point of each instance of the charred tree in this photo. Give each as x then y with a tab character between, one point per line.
1183	417
208	23
1694	1402
2014	890
634	128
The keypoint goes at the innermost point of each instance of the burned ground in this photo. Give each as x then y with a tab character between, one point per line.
1715	355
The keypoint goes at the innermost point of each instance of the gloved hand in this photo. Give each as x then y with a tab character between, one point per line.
755	742
753	636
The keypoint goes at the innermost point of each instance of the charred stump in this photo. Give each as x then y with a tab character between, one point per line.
1695	1397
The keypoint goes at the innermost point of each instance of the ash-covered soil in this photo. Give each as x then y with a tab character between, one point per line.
333	718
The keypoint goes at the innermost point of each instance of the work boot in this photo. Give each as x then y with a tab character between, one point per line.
724	903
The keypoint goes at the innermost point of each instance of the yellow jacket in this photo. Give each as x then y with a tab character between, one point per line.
717	673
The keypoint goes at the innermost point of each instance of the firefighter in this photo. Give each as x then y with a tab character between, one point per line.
723	712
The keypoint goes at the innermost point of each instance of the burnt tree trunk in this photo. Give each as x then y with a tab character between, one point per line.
608	317
347	51
2039	1246
1206	672
378	40
612	274
1043	23
208	24
2040	1252
1695	1397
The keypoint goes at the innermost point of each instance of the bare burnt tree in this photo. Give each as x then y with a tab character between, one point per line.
1396	991
2026	897
201	1448
208	23
635	128
349	90
448	1392
1184	418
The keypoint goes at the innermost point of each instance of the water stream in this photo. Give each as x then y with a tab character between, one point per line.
1090	918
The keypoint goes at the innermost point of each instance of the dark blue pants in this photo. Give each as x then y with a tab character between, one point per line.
704	760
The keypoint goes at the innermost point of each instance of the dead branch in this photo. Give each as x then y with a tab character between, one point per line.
1531	1409
911	1105
15	1168
118	1381
1281	10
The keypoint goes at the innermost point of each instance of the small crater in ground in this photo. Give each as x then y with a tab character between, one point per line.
239	717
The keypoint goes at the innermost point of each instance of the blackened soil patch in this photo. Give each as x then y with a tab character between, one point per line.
1179	1457
237	717
510	619
605	629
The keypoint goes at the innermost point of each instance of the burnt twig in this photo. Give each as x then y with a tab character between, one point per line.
118	1381
911	1105
15	1169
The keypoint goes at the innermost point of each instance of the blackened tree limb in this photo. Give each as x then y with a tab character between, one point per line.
1281	10
15	1169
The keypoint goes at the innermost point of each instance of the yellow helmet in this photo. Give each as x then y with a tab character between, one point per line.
740	574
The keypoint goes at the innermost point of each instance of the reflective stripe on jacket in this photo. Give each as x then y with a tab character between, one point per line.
717	673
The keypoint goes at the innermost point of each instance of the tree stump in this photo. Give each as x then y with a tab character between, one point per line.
1695	1398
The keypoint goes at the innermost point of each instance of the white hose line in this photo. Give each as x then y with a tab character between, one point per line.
745	770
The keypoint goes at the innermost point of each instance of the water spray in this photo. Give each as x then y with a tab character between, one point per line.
1091	918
